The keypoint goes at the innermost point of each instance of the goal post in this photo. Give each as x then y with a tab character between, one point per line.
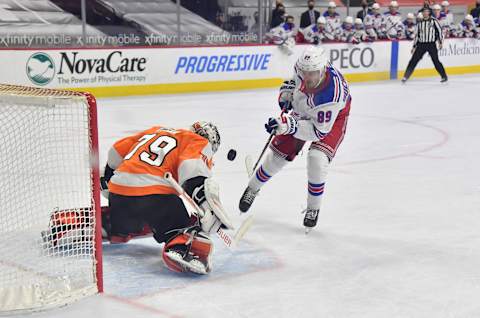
50	222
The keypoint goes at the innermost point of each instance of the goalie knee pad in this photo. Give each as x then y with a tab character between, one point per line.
188	252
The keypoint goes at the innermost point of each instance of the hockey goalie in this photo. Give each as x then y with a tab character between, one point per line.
142	201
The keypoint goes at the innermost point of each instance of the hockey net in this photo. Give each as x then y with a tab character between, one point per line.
50	235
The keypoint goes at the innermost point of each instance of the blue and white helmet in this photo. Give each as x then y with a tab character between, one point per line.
208	131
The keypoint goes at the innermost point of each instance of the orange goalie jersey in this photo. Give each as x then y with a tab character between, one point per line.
141	161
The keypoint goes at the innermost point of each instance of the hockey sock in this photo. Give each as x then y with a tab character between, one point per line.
317	168
272	164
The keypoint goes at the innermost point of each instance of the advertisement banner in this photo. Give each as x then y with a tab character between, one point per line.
362	58
115	72
455	54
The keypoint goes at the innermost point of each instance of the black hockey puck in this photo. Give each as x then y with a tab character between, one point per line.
232	153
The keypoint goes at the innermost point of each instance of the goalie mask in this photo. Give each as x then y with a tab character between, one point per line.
311	66
208	131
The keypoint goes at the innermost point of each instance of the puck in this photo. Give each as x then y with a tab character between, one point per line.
231	154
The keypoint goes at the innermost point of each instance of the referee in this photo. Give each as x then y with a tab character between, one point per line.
428	33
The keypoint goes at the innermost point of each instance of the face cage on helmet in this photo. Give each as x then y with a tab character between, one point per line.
213	138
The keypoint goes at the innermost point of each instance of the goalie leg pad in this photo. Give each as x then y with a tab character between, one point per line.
66	228
188	252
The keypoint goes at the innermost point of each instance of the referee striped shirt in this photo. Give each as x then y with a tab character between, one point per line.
428	31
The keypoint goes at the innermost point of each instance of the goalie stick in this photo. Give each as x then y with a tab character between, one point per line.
226	238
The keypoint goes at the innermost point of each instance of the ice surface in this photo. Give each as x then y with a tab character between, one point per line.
398	234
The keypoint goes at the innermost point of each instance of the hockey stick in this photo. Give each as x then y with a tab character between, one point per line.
225	237
249	161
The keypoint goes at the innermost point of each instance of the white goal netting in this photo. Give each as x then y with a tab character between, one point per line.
48	198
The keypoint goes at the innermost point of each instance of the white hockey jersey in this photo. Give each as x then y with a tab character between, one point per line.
448	18
333	22
373	23
317	110
468	30
360	34
409	29
315	34
280	34
346	33
447	24
392	25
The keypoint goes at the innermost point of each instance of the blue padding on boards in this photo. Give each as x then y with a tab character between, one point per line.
394	61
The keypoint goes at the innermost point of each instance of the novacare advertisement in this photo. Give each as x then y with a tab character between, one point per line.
462	55
82	68
138	67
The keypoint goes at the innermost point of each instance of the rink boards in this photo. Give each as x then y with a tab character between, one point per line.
154	70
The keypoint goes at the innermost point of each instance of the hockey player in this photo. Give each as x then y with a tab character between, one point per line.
360	35
373	22
392	27
409	27
346	32
317	33
283	35
140	195
438	14
447	23
467	28
446	12
319	100
333	18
